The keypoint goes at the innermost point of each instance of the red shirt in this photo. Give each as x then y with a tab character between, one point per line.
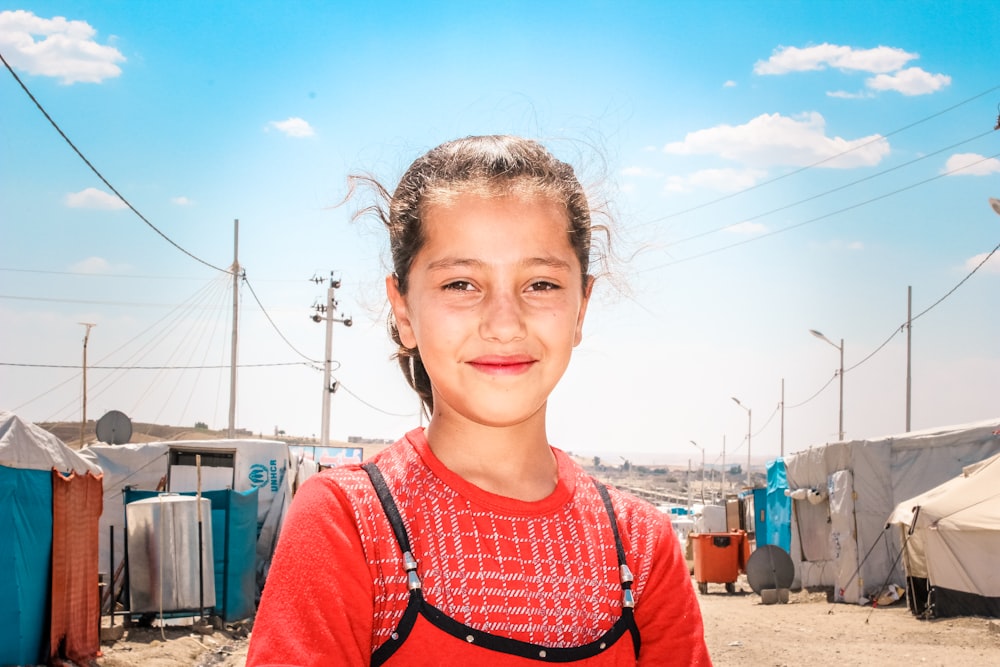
542	572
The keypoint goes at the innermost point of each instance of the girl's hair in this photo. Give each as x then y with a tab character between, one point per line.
491	166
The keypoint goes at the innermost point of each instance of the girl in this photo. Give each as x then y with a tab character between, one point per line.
473	541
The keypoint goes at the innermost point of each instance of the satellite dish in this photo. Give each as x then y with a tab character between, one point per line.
995	203
770	566
114	428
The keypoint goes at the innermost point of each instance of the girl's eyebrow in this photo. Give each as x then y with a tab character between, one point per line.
462	262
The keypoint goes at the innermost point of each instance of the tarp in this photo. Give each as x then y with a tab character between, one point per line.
884	472
258	464
32	463
954	542
778	519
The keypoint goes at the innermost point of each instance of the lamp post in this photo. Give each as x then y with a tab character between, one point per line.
749	429
840	423
702	470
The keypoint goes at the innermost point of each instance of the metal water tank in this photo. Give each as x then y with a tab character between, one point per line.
163	554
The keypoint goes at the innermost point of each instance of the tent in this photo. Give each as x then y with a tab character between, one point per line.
50	500
843	493
951	538
241	465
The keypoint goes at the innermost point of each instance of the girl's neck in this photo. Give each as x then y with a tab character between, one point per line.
511	461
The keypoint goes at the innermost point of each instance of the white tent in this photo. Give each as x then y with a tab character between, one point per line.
844	492
951	537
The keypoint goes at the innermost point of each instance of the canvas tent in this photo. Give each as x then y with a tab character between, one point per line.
951	539
50	500
843	494
241	465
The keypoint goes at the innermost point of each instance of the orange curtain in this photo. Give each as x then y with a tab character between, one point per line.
77	502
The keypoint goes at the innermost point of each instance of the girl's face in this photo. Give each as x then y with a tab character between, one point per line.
495	305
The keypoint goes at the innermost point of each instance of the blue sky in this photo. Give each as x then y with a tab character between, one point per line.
770	167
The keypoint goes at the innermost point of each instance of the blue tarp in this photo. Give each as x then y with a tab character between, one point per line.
25	564
234	545
778	530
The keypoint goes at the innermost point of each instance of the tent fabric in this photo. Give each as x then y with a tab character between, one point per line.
76	609
885	471
26	526
952	536
779	508
36	470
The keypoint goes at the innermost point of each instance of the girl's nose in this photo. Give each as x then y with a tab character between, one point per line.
502	318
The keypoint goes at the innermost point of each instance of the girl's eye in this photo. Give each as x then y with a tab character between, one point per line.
542	285
459	286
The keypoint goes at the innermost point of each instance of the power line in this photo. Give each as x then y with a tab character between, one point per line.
156	368
821	217
340	385
98	173
273	325
820	162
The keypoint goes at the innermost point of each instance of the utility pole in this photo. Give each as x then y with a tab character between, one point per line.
909	340
782	417
722	480
236	312
328	312
83	417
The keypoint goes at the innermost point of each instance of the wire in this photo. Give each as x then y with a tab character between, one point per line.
157	368
340	385
821	217
101	176
275	326
799	405
823	161
829	192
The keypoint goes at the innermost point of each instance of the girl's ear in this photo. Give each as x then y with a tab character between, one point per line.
400	312
578	336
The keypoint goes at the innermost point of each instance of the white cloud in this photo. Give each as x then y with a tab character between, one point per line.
776	140
729	84
971	164
844	95
181	201
747	228
94	198
787	59
991	266
911	81
722	180
94	265
855	245
65	49
293	127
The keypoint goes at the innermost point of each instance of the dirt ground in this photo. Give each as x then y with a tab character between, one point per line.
739	629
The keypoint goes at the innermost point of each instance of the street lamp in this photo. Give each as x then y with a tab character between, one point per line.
841	374
702	470
749	429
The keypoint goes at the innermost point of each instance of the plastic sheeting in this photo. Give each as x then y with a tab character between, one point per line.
26	524
778	519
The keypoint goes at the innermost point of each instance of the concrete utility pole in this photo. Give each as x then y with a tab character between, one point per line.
236	313
83	417
329	314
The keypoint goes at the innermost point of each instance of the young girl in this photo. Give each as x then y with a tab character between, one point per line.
473	541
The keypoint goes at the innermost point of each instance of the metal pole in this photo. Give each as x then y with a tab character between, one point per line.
909	333
83	416
782	417
324	437
236	313
749	430
722	480
841	421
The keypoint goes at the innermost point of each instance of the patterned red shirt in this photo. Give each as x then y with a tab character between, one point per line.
542	572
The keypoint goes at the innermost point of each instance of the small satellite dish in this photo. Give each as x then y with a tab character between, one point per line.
114	428
770	566
995	203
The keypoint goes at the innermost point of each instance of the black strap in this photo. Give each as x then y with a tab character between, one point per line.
417	604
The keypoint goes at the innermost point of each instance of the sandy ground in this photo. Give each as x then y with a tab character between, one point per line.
739	628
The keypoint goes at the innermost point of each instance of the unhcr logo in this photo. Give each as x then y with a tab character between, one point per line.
259	475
